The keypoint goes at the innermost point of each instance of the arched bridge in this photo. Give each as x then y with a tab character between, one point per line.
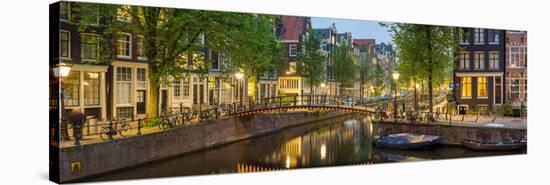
315	102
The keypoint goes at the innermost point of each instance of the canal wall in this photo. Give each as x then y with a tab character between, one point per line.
83	161
452	134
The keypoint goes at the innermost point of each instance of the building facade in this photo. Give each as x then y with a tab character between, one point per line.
516	68
328	46
293	32
479	71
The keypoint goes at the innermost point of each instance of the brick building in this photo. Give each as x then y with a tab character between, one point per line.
516	68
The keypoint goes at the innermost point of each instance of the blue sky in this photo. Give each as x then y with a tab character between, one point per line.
358	29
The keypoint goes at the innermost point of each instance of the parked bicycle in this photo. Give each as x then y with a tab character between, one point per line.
120	127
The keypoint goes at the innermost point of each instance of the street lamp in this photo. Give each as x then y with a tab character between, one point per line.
61	71
396	78
323	85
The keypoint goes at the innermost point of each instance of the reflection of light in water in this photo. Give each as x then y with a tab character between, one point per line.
287	165
323	151
350	123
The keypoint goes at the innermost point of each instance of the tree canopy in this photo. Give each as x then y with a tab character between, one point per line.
310	62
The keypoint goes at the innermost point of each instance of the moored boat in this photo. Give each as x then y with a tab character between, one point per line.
408	141
493	146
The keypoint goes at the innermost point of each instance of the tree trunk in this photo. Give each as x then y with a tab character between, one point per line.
430	69
153	98
415	95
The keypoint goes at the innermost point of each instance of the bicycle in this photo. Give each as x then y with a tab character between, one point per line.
167	120
112	130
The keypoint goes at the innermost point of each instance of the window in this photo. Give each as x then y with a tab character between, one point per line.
514	88
64	44
494	60
498	90
140	49
124	85
465	36
464	60
514	57
141	74
72	89
89	46
494	36
479	60
292	50
64	11
91	88
176	88
124	45
466	87
215	65
185	87
482	87
478	36
124	112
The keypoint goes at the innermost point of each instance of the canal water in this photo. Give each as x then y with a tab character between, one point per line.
345	140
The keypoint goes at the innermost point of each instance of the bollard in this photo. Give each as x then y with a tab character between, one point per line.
77	135
139	127
110	130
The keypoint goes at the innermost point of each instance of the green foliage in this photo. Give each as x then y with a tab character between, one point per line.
365	70
426	52
506	109
310	61
152	122
378	78
344	66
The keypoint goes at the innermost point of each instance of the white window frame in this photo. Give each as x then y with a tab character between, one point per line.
494	62
290	46
462	86
68	44
97	47
479	37
118	103
118	40
486	88
140	47
464	60
479	63
495	32
68	10
518	85
512	57
462	31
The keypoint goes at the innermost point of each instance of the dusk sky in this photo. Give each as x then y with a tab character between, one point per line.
358	29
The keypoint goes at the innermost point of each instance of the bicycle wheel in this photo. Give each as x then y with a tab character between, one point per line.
104	134
125	130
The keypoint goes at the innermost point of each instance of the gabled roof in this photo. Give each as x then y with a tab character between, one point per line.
364	44
293	27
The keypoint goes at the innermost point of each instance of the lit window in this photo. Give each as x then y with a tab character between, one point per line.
176	88
91	88
124	41
482	86
514	88
466	86
72	89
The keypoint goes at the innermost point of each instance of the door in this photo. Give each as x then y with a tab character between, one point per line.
140	102
163	100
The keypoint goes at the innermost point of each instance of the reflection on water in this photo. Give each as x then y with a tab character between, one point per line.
341	141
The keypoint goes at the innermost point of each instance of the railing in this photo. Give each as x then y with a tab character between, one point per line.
184	116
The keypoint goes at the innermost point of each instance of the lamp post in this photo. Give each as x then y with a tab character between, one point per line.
239	75
60	71
395	77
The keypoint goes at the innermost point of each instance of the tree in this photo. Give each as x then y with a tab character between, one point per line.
427	52
344	66
378	79
364	69
309	64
